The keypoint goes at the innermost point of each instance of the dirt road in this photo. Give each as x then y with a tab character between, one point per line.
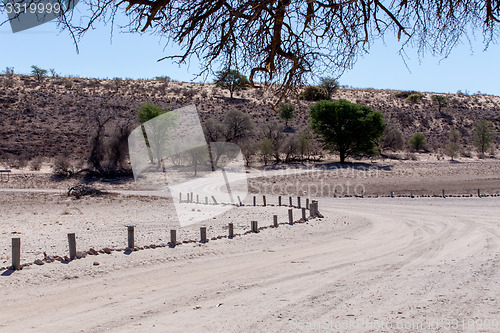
371	265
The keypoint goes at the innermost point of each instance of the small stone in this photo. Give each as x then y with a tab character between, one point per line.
96	263
106	250
39	262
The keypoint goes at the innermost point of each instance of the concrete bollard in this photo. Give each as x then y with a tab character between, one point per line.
307	203
291	203
72	246
275	221
290	216
298	202
130	237
254	226
279	200
254	201
215	201
231	231
16	254
264	200
303	214
173	238
203	234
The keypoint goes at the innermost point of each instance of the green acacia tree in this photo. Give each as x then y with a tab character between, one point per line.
440	101
329	85
38	72
347	128
231	80
287	112
482	134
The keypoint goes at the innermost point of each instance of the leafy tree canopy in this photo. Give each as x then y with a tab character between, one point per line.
347	128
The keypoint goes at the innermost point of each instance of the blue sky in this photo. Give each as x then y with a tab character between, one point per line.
135	56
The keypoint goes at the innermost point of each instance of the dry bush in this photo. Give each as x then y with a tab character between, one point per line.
36	163
61	167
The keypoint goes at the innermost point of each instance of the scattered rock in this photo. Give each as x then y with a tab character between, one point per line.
38	262
106	250
96	263
80	255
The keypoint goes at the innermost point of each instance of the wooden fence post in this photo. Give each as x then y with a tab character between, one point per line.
254	226
197	199
392	194
311	209
275	221
72	246
203	234
290	216
191	199
173	238
131	244
16	254
298	202
291	203
239	200
444	194
478	193
264	200
303	214
215	201
279	200
206	200
231	231
254	201
180	197
307	203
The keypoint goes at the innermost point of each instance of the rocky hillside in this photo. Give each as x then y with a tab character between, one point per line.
54	117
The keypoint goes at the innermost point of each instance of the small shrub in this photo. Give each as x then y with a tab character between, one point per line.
414	98
163	78
406	94
62	167
36	164
417	141
313	93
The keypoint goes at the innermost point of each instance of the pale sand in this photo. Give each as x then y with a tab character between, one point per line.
385	260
